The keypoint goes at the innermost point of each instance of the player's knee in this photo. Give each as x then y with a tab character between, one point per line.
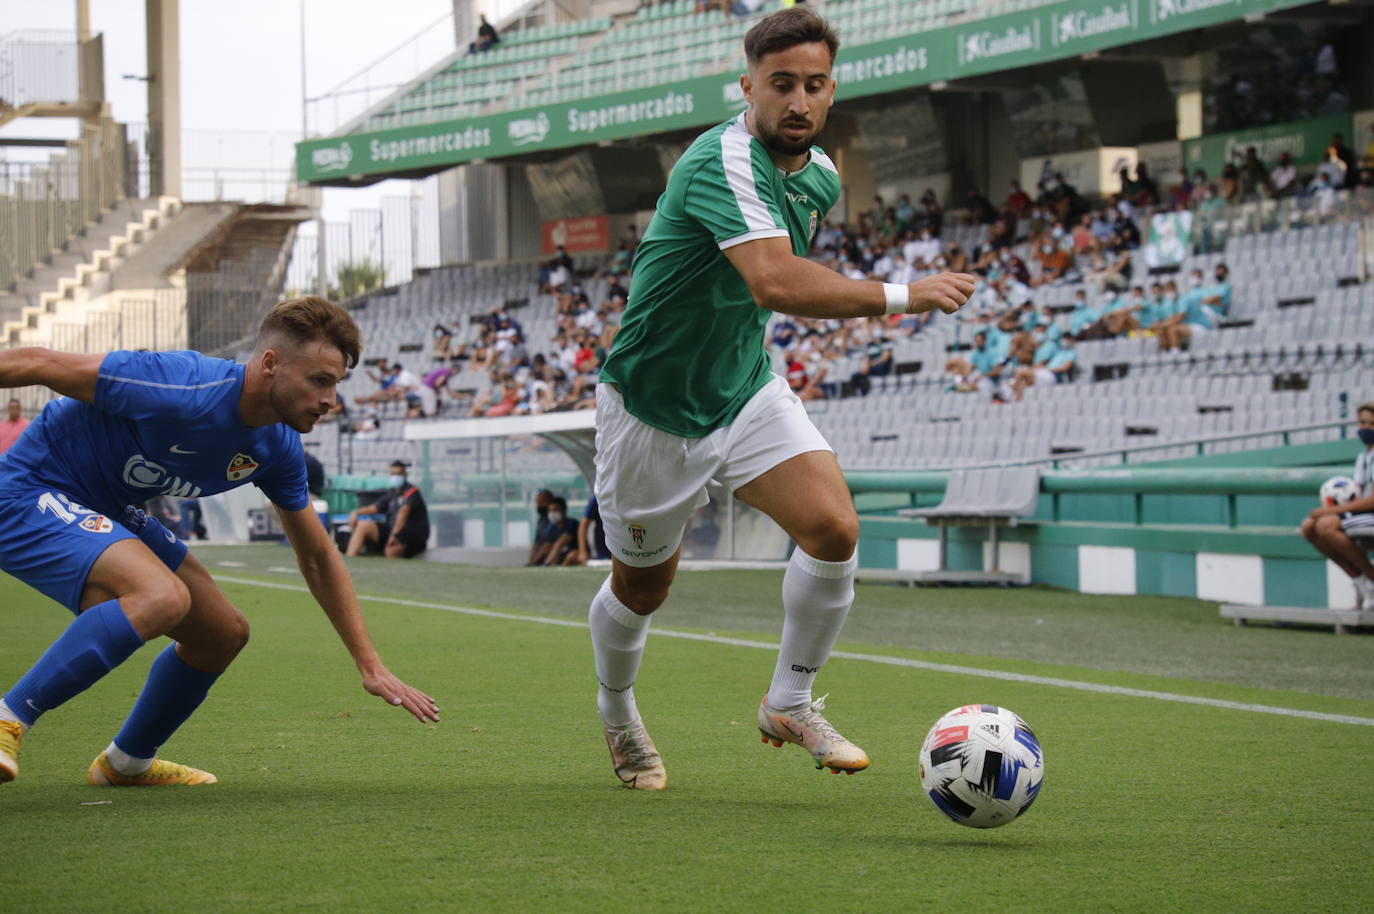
644	598
236	631
159	605
1328	524
831	536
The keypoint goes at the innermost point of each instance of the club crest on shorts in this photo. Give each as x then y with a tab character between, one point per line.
241	467
637	534
97	523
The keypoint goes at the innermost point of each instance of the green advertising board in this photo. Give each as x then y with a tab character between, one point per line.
1005	42
1305	141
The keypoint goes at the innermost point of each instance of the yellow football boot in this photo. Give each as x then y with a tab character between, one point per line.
162	774
11	735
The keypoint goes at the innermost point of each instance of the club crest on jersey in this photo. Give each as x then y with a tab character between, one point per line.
241	467
97	523
637	534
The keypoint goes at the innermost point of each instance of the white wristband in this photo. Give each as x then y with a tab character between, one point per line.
898	297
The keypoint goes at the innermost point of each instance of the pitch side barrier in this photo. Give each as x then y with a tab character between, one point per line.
1224	533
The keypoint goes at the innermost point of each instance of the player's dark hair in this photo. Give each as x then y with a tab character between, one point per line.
786	29
311	318
1366	408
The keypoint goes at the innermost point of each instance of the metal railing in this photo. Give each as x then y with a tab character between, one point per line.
39	66
54	201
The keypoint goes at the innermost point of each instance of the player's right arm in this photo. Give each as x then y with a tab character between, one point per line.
68	373
781	281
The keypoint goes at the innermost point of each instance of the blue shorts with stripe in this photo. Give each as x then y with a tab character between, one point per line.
50	542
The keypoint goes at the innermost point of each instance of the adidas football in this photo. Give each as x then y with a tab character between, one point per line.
982	766
1339	490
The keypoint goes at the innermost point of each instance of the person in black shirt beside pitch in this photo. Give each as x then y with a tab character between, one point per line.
403	530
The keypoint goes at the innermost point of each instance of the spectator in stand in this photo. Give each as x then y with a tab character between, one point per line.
507	398
13	425
906	213
1230	184
877	363
1083	240
1334	169
956	260
488	396
1199	189
620	260
930	212
1217	297
1283	177
922	250
1346	156
1323	194
1018	201
1056	265
1192	319
1328	528
1254	177
1127	316
1125	228
1083	314
1111	268
487	38
1147	191
980	209
1053	364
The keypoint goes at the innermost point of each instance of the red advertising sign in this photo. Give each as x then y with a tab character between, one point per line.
579	236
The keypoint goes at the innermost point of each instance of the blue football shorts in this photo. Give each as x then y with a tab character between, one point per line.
49	541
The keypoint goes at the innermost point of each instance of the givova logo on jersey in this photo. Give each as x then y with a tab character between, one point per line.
142	473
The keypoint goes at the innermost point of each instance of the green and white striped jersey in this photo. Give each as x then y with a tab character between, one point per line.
690	351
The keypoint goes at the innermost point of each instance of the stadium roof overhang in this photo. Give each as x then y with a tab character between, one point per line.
966	55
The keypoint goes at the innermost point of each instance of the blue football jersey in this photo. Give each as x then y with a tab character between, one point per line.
163	423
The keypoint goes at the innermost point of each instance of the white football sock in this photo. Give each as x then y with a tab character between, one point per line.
618	636
125	763
7	714
816	597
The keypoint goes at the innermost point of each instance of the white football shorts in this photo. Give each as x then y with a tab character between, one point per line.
649	482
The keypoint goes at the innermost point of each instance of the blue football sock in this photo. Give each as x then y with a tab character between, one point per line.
173	692
96	642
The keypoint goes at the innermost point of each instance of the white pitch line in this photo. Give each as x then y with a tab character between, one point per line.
869	658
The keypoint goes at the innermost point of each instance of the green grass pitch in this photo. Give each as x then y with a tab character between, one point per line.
330	801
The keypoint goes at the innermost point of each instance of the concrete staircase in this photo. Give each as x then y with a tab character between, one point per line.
82	270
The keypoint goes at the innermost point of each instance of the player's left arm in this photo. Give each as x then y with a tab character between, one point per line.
325	573
68	373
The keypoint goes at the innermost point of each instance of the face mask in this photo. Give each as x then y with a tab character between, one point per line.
1194	281
397	481
1366	435
1048	249
555	516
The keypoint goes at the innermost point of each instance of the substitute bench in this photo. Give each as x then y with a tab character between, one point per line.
992	498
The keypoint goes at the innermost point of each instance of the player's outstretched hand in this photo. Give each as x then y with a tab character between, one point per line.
393	691
947	291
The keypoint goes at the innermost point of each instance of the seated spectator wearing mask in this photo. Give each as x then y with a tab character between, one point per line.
1283	177
561	534
1193	318
1055	264
401	530
1083	315
1053	363
1328	529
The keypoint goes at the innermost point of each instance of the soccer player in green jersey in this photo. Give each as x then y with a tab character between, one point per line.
687	395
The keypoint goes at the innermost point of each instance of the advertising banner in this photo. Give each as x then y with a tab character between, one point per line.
583	235
1305	141
1050	32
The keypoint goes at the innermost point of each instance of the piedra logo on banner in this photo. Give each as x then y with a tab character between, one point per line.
977	46
1079	24
526	130
332	158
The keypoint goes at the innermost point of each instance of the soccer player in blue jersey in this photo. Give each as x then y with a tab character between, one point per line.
131	425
